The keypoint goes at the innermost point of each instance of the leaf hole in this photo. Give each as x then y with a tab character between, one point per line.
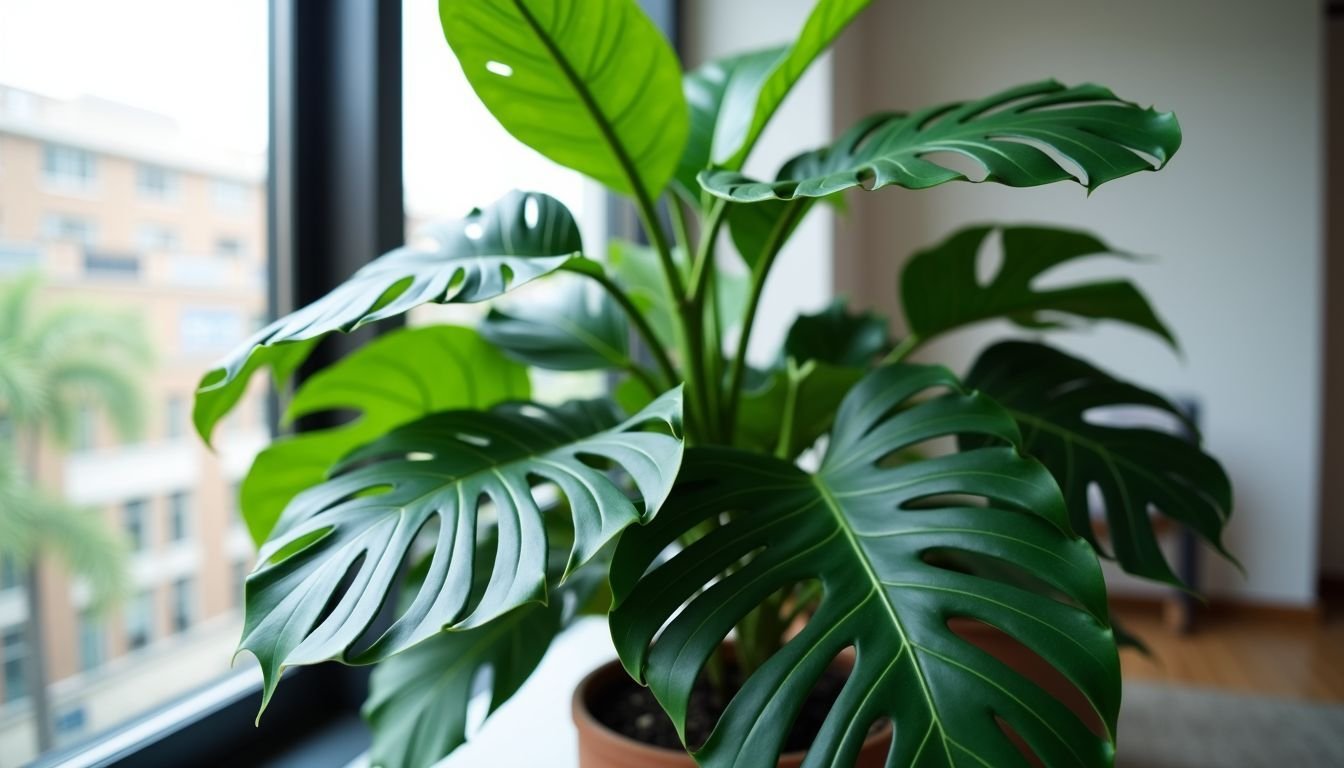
965	164
478	441
419	456
1069	165
995	569
499	68
1019	743
531	212
939	501
989	258
473	230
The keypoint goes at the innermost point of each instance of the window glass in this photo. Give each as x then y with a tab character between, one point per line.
446	179
133	142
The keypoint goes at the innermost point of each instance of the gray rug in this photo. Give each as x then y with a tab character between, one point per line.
1164	726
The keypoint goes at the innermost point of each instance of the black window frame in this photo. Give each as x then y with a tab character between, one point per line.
335	200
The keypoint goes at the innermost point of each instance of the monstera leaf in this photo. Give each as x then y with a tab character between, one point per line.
879	539
519	238
940	291
579	328
1135	468
394	379
1101	137
591	84
418	700
789	407
837	336
328	566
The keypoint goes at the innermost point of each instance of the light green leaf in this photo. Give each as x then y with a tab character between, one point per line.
394	379
1098	136
578	328
752	101
519	238
326	571
940	291
591	84
898	550
1136	468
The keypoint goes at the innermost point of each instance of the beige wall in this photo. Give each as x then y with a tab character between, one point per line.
1235	220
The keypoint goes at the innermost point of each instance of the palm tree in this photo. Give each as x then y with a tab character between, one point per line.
52	366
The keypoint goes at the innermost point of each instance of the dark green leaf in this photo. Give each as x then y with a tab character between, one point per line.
940	291
872	535
591	84
1100	137
522	236
752	101
579	328
768	408
837	336
1054	398
392	380
757	227
333	556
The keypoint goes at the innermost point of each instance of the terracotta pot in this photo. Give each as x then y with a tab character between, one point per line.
601	747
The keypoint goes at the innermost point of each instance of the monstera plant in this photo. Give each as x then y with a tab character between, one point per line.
743	529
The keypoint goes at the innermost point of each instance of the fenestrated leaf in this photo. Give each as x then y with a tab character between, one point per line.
591	84
752	101
1100	137
874	536
519	238
940	291
418	700
333	556
738	78
578	328
394	379
837	336
1136	468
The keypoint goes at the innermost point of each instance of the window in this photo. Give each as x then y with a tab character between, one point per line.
15	648
230	196
228	247
175	418
179	516
210	329
18	257
156	182
69	167
64	227
135	516
92	641
184	603
118	266
156	238
139	620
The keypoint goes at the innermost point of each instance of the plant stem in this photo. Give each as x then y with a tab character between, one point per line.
637	318
679	221
908	344
693	319
793	377
759	273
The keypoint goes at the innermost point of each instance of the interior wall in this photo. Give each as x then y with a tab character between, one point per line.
1332	482
1234	223
801	278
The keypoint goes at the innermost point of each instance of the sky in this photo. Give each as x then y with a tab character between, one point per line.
204	64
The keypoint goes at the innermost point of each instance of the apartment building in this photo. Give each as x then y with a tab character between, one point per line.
117	208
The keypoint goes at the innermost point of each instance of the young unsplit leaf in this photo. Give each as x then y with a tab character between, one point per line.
332	558
519	238
396	378
591	84
940	291
872	535
1052	396
1101	137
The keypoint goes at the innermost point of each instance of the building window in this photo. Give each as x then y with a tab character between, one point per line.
92	641
155	238
210	329
69	167
18	257
230	195
118	266
179	516
15	648
136	515
183	602
175	418
66	228
157	183
86	429
229	247
139	620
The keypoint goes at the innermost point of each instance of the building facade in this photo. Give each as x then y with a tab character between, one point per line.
116	208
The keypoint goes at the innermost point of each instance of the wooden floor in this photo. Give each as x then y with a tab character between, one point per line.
1248	652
